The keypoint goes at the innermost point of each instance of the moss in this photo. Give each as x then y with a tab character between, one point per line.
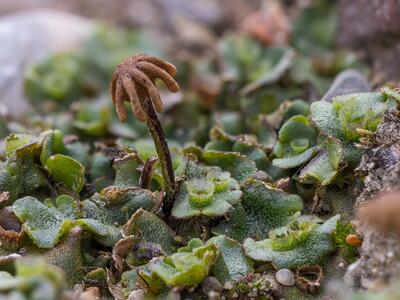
348	252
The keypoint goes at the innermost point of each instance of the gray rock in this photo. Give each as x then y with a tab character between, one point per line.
374	268
347	82
211	284
285	277
380	165
379	261
263	176
136	295
27	37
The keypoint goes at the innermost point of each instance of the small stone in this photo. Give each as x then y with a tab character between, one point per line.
211	284
4	196
136	295
214	295
347	82
273	286
91	293
173	294
285	277
351	276
368	283
263	176
380	257
228	285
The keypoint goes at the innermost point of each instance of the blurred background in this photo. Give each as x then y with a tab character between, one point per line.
230	53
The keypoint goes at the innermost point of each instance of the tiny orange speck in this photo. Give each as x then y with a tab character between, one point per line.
353	240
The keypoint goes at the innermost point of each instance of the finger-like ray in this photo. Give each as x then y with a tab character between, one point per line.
119	100
169	68
156	72
130	89
113	84
142	79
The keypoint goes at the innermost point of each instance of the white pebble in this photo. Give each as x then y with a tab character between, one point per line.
285	277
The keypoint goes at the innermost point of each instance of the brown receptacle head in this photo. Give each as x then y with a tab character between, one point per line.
134	81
